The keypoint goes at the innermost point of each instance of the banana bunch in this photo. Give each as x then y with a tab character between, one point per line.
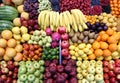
74	19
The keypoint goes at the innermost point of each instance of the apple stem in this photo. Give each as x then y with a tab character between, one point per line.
60	55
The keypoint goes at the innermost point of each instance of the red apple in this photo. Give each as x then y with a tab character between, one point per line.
117	62
10	74
16	70
111	73
25	23
65	52
22	19
65	36
10	63
105	63
14	81
107	81
62	30
65	44
106	76
11	67
4	70
111	66
9	80
4	77
117	70
118	77
31	22
112	80
105	69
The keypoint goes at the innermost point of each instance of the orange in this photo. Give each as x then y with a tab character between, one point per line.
116	36
91	57
96	45
92	49
104	37
113	47
110	31
98	52
101	33
103	45
98	38
106	53
111	40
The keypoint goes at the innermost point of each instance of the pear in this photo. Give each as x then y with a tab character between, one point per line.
81	36
91	35
85	39
74	38
71	34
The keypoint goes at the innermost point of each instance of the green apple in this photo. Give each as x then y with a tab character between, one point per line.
91	65
37	73
29	64
79	70
22	63
83	66
78	63
40	81
27	81
41	62
31	70
23	77
94	82
86	62
91	70
84	73
36	65
99	64
79	81
99	70
22	69
85	81
90	77
80	76
18	81
41	76
42	69
40	43
93	61
102	81
31	77
36	80
99	77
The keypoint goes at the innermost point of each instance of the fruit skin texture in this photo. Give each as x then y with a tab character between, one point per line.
65	44
65	36
117	63
62	30
65	52
117	70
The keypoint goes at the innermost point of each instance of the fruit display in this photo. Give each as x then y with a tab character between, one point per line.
40	38
114	4
82	37
74	18
59	41
111	71
31	52
89	71
80	51
50	53
21	34
8	72
31	71
64	73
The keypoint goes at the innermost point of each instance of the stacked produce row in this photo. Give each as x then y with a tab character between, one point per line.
52	41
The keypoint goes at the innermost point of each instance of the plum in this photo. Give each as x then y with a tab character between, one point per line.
73	73
64	62
55	76
68	68
65	75
52	64
60	68
71	62
50	80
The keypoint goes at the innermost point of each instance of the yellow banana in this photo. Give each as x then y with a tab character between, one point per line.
80	27
47	19
74	13
61	22
57	19
51	18
69	17
74	26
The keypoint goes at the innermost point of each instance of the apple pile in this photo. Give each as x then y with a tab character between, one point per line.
50	53
8	72
30	24
31	52
80	51
89	71
111	71
64	73
31	72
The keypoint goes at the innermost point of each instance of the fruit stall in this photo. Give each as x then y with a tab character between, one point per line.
59	41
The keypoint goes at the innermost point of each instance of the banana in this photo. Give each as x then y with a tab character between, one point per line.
57	19
80	27
69	17
74	13
51	18
74	26
61	22
47	19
